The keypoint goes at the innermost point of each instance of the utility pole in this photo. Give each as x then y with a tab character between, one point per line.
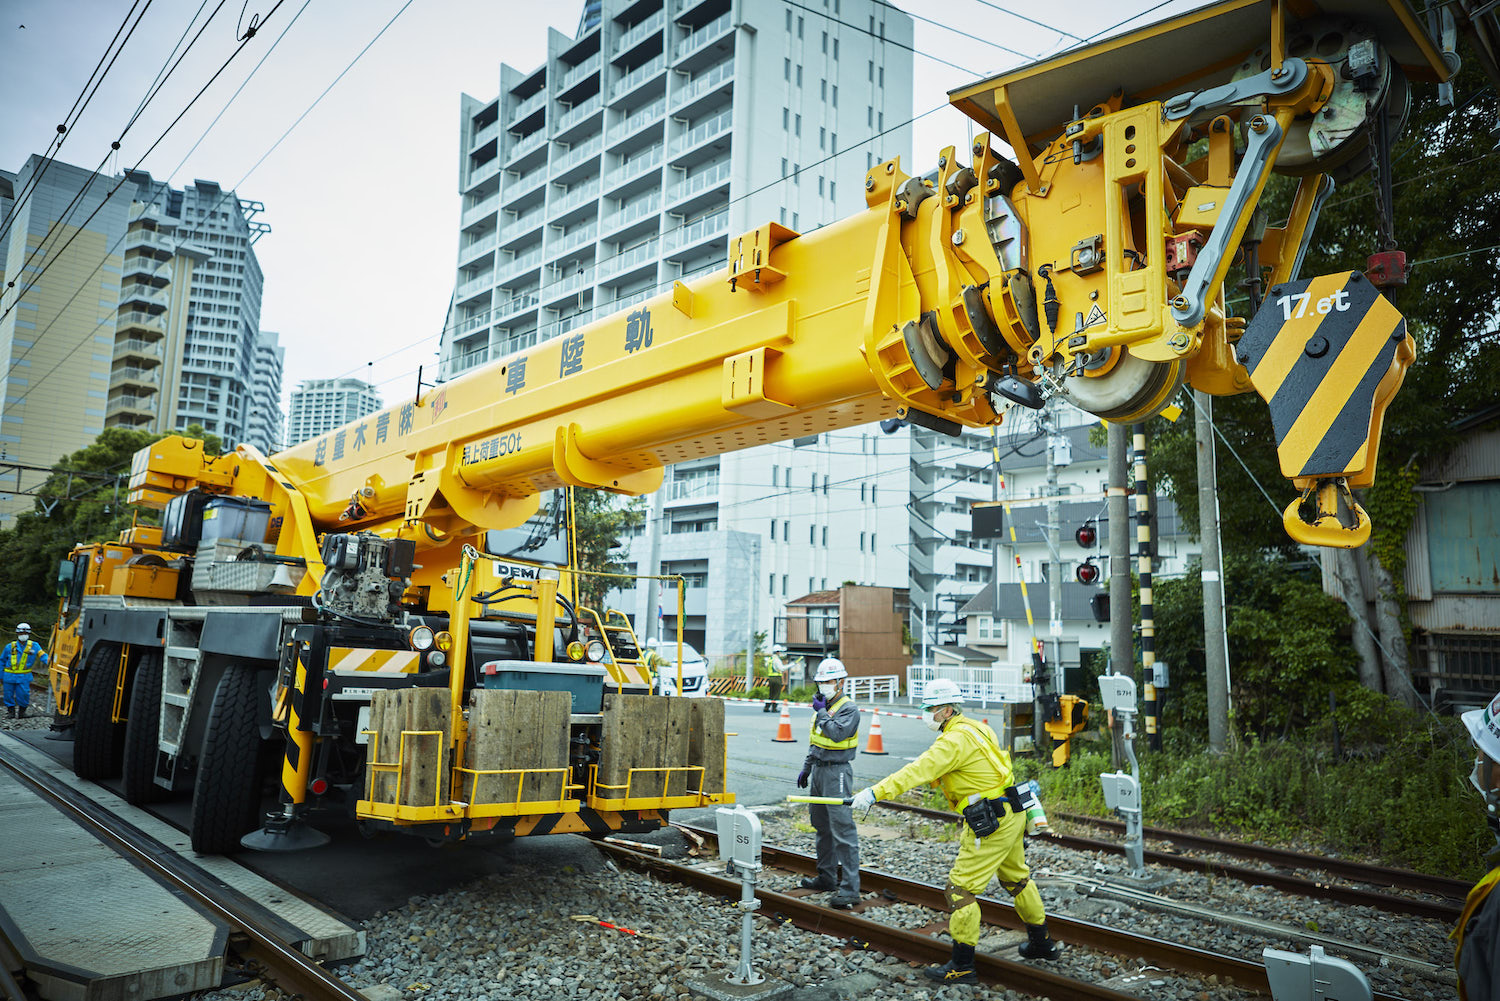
1121	642
995	540
1148	621
1054	583
653	563
1215	632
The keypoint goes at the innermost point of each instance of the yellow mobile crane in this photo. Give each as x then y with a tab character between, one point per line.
336	602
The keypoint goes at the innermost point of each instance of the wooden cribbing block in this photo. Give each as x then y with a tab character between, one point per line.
706	745
425	774
675	746
514	728
634	735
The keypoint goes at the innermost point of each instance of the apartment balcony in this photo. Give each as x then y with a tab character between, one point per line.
523	151
139	322
712	227
146	270
519	340
484	135
525	184
532	105
475	250
704	181
571	282
468	360
636	77
484	172
637	257
130	404
638	34
144	379
514	305
701	134
581	195
711	32
702	85
565	325
624	302
634	212
578	114
475	322
145	239
579	75
141	294
475	286
522	228
637	166
482	210
572	158
508	270
140	353
582	237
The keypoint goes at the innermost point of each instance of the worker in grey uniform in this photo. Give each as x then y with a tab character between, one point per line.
832	745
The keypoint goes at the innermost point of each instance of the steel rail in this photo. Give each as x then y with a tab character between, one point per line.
294	973
1183	958
1363	872
860	932
1444	910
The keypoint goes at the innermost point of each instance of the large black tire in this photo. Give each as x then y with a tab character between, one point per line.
98	741
226	793
142	732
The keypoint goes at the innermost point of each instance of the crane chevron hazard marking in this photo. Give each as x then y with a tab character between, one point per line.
1325	354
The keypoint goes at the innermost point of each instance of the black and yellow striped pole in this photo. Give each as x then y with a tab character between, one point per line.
1143	569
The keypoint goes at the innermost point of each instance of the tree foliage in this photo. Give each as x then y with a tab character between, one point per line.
600	522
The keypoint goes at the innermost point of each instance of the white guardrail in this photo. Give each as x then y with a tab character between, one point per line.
879	686
995	684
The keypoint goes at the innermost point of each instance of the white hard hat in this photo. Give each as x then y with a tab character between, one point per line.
778	648
830	669
941	692
1484	728
24	627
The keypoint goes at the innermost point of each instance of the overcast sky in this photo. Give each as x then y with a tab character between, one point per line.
362	196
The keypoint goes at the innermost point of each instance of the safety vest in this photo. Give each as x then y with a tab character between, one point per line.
19	661
817	738
774	670
992	752
1472	906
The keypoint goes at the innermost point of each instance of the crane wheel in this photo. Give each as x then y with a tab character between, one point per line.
226	792
1133	390
142	733
98	741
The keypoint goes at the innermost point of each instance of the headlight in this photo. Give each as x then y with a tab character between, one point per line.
597	651
421	638
575	650
437	658
444	641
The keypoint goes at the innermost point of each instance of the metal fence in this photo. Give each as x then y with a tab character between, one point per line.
993	685
878	686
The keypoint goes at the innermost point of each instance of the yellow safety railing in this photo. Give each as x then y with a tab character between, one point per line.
395	811
519	806
630	799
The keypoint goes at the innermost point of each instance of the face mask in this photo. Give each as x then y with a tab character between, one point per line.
932	724
826	689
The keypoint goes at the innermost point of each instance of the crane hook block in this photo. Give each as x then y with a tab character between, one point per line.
1327	354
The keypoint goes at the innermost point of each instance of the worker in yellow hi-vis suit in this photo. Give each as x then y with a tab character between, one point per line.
975	775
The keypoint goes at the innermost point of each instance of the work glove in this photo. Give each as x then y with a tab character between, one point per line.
803	775
819	703
864	799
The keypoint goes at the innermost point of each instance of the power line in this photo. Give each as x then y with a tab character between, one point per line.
70	120
888	41
956	31
1023	17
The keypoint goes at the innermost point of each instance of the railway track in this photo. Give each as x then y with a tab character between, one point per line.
861	931
1446	909
262	953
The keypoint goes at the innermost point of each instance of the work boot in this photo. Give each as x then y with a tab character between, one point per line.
20	712
958	970
12	711
815	883
1038	944
843	900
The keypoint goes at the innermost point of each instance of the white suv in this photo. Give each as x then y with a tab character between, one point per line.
694	669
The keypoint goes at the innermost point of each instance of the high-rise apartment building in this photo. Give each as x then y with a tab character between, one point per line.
320	405
217	383
625	161
263	429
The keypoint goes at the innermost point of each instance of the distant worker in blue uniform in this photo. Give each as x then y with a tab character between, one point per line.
832	745
1476	955
18	660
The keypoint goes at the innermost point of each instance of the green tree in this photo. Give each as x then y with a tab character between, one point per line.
600	522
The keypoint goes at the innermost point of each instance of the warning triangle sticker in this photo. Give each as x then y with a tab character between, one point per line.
1096	315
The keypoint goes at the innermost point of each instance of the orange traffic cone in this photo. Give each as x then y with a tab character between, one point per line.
876	743
784	728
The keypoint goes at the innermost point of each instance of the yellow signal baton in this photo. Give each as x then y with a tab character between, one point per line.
825	800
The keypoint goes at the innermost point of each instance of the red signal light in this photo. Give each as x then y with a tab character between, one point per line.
1087	573
1086	535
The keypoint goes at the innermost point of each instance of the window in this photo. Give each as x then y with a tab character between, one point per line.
872	542
833	191
822	135
799	26
772	588
870	117
825	536
812	535
872	493
812	584
871	68
880	73
812	483
799	76
864	490
773	529
880	122
835	48
786	531
788	20
783	162
825	43
835	98
786	68
861	541
825	484
820	186
783	585
775	476
797	127
822	90
786	115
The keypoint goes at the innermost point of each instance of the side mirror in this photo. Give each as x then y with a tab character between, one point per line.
65	572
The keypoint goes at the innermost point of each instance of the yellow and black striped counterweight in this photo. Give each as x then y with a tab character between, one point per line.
1327	355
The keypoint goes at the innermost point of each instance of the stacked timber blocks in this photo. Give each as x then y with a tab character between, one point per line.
423	713
657	732
514	729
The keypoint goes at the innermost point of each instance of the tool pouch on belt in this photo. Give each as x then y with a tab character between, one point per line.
981	817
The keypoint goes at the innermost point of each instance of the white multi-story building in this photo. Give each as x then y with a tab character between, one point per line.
624	162
320	405
263	429
216	387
